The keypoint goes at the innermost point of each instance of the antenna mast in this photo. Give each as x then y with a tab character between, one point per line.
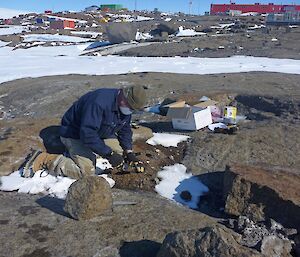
190	6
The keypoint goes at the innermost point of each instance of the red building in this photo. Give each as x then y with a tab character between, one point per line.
216	9
62	24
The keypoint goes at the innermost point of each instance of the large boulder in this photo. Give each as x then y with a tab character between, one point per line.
206	242
88	198
168	27
263	192
121	32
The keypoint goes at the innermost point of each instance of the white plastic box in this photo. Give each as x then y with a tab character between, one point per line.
189	117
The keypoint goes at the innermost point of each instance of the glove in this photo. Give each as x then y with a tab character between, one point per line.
116	160
131	159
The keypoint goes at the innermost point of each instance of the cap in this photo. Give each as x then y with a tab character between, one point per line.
136	96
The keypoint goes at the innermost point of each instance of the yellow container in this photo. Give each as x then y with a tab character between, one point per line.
230	112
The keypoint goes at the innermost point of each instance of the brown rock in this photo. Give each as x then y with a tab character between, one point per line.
261	193
141	133
208	242
88	197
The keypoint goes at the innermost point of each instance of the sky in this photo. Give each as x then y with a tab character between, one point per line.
198	6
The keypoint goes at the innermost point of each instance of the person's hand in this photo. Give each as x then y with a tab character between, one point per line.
116	160
134	162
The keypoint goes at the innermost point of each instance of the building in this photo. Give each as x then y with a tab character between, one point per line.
39	20
8	22
62	24
287	18
92	8
48	12
111	7
221	9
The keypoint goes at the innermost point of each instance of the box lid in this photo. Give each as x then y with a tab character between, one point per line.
206	104
177	104
179	113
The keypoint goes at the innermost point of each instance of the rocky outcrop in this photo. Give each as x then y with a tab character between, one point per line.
270	238
120	32
273	246
206	242
30	223
88	198
261	193
168	27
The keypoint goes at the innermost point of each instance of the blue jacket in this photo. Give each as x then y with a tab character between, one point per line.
96	116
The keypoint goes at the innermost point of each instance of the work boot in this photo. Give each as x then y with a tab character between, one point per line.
37	160
44	161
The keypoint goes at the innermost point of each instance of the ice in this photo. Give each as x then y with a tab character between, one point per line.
166	139
53	38
174	180
63	60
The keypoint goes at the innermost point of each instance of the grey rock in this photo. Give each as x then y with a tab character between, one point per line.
273	246
206	242
121	32
88	198
168	27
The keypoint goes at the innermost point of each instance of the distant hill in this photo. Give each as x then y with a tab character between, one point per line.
9	13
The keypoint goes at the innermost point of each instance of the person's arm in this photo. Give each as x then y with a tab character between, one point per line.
125	135
91	119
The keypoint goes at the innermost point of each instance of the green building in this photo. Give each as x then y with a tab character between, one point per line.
113	7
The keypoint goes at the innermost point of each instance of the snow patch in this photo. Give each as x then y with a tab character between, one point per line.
44	183
188	32
87	33
10	30
175	180
53	38
166	139
62	60
142	36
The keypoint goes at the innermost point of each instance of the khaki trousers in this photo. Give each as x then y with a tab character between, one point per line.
82	161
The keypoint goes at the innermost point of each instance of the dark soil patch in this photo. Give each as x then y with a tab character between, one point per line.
154	157
266	107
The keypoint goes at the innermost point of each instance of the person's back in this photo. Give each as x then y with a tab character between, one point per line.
88	106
